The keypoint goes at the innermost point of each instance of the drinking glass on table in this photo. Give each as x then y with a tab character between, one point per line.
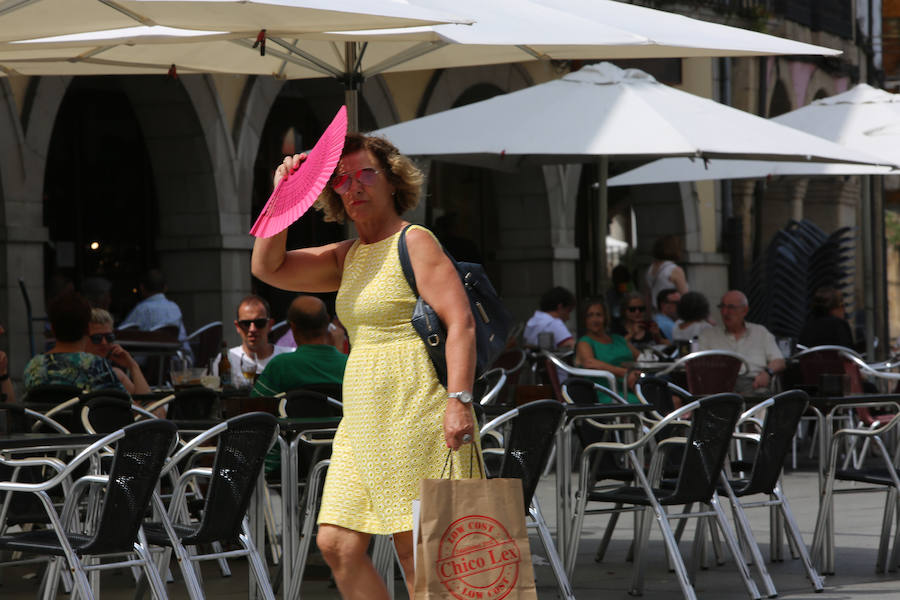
248	367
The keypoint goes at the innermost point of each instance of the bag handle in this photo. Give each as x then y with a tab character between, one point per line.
449	460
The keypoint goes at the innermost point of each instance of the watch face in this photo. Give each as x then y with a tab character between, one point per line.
464	397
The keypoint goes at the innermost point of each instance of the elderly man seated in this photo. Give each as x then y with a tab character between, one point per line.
752	341
315	360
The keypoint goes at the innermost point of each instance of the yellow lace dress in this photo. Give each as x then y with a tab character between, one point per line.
391	436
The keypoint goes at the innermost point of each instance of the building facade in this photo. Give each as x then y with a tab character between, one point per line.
112	175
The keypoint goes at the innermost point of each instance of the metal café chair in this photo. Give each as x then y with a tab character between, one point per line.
762	475
241	445
205	342
882	477
703	455
140	453
709	371
556	361
489	385
528	434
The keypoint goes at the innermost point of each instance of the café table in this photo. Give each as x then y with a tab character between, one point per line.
825	409
574	414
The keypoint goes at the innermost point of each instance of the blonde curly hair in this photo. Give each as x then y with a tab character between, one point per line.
400	171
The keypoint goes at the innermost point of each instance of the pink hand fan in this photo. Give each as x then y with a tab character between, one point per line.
298	191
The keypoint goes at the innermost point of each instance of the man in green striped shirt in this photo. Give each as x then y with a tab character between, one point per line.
314	361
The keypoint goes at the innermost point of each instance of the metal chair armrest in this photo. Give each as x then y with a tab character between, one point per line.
159	403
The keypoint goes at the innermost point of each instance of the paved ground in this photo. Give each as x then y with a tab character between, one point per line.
858	522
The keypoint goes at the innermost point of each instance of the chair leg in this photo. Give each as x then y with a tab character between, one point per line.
156	583
224	569
256	562
732	544
562	581
746	533
639	546
794	534
607	535
887	522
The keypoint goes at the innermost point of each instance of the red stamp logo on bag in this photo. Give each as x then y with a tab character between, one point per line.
478	559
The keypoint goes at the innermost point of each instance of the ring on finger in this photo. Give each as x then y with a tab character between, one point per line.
466	438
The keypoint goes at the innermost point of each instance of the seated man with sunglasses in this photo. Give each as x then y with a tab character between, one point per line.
100	342
252	324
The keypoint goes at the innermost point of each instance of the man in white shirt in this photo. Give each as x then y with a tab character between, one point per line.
555	307
252	324
752	341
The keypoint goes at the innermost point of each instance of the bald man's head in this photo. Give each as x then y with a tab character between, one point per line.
734	308
309	320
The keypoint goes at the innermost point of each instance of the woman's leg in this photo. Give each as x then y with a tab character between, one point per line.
406	549
345	551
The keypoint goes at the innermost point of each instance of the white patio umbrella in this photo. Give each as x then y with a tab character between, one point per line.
26	19
504	31
864	118
600	112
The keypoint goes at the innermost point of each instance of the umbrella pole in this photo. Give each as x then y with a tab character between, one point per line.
601	225
351	86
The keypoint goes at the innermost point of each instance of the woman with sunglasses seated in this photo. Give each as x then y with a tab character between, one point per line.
100	342
67	363
636	326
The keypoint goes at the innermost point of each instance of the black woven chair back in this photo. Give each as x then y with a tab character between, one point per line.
581	391
50	395
712	374
139	458
240	451
195	403
656	392
712	426
512	361
107	414
309	404
44	397
13	418
775	441
332	390
528	443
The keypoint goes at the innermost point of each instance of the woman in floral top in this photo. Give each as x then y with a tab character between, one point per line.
67	363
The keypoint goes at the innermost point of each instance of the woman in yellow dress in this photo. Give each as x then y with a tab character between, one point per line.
399	421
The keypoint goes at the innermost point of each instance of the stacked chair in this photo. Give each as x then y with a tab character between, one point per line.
800	259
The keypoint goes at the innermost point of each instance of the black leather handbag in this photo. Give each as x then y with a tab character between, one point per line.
492	320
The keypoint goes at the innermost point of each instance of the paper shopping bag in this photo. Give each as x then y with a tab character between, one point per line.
472	541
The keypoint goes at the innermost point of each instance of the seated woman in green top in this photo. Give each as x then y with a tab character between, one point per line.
600	350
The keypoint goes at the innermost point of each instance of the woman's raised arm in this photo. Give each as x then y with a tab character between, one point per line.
305	270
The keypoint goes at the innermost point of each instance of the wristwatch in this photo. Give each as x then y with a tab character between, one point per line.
464	397
770	372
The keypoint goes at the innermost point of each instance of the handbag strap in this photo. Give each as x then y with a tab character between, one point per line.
449	461
406	264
